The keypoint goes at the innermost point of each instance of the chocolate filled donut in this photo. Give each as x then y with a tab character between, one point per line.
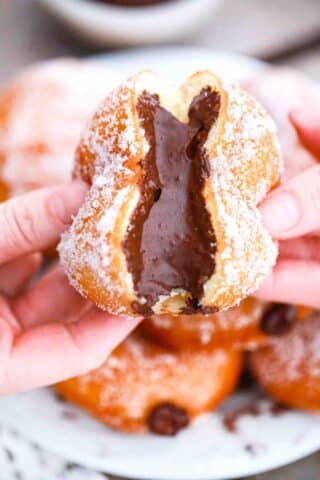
143	387
170	224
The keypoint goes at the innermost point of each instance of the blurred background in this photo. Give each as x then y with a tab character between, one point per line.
282	31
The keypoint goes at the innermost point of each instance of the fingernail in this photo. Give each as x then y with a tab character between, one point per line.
280	212
67	200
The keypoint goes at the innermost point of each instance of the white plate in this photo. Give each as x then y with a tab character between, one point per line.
205	450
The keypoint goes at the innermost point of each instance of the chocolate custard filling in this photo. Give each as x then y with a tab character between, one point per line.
167	419
170	243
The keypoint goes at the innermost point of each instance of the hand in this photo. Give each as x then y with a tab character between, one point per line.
40	341
292	215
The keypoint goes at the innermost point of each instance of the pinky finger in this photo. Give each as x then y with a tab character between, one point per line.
293	281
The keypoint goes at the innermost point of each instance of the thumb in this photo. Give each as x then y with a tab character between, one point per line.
293	209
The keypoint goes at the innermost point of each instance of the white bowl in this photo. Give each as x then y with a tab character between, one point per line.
104	24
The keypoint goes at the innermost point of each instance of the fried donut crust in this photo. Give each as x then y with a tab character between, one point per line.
246	327
139	376
288	368
244	163
237	328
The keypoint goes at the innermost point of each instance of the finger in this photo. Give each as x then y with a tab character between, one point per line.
9	328
307	124
15	275
47	354
293	281
294	209
34	221
51	299
303	248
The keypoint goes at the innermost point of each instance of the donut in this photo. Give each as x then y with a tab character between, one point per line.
288	369
246	327
238	328
170	224
143	387
280	91
42	113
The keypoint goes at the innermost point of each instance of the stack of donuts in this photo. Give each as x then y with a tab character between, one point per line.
170	232
166	374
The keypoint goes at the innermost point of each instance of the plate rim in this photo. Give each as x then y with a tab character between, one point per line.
116	470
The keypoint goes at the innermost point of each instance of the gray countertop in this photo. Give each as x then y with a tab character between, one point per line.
285	31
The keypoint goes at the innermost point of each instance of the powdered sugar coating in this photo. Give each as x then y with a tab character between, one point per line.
42	114
294	355
245	163
85	245
139	375
248	145
289	368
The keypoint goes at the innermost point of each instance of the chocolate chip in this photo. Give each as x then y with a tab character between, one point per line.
231	418
157	194
167	419
278	319
278	409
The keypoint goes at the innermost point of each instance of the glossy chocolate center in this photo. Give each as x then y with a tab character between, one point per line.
170	243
